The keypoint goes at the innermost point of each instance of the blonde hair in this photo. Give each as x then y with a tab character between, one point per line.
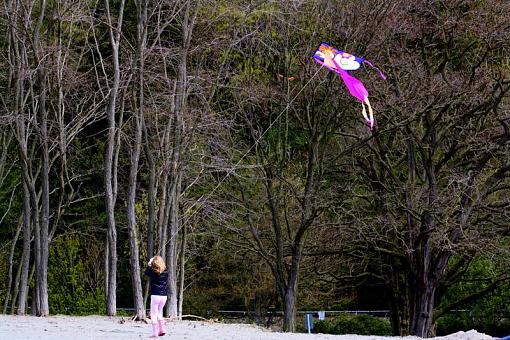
158	264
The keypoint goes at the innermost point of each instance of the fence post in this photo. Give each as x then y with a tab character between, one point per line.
309	322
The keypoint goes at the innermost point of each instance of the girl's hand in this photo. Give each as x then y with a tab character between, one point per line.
150	261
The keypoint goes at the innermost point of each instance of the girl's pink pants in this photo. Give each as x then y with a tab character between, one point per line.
157	304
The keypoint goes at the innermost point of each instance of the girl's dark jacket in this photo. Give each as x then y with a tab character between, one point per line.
159	282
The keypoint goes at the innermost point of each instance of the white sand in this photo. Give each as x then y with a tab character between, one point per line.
100	327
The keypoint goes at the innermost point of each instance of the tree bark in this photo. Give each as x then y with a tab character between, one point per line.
174	193
151	209
17	284
423	309
19	59
42	231
42	268
140	313
11	263
182	267
110	187
171	259
289	314
27	234
132	225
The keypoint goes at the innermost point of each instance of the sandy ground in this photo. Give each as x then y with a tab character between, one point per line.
100	327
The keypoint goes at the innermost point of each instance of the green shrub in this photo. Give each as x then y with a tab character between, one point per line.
490	313
491	325
324	327
449	324
73	288
354	324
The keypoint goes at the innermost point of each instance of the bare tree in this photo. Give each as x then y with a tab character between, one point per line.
115	29
44	122
167	144
6	137
290	135
17	68
135	148
26	51
174	193
439	161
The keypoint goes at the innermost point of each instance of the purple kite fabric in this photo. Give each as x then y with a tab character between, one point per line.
342	62
354	85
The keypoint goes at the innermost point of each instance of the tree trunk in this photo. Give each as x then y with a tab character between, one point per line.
19	68
289	314
110	214
171	260
36	302
17	284
106	265
35	299
164	204
140	313
42	228
173	201
399	301
25	265
11	263
182	263
174	194
42	269
132	226
151	200
423	310
151	209
423	294
278	267
163	213
115	35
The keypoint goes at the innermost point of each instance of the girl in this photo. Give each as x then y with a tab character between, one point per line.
159	289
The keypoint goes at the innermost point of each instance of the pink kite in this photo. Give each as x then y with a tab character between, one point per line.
341	62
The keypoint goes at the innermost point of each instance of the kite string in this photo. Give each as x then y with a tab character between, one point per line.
254	144
230	171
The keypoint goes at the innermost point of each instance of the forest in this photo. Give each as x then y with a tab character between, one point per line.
204	131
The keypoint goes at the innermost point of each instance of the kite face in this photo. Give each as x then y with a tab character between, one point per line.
341	62
325	54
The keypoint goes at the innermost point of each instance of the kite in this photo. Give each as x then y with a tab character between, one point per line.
342	62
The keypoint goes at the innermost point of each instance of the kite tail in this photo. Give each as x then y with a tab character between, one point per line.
370	117
364	112
369	63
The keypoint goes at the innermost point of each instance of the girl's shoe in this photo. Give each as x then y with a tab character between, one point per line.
161	324
155	330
